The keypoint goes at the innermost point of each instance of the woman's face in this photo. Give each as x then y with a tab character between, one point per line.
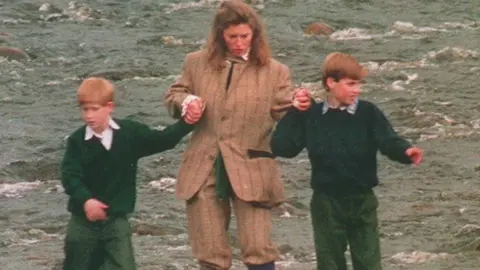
238	38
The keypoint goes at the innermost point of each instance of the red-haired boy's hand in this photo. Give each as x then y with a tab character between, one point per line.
95	210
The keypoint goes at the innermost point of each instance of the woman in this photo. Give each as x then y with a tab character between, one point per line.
236	92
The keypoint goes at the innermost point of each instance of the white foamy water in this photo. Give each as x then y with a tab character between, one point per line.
404	30
18	190
74	11
453	53
393	65
32	236
205	3
165	184
408	27
400	85
188	5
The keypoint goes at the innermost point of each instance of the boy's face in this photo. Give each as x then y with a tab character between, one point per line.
96	115
345	91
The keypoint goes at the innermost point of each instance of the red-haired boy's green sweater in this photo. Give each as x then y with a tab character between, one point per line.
88	170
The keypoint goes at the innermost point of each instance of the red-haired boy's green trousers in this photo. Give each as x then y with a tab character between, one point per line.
99	245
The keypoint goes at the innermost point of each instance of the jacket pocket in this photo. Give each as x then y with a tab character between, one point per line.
252	153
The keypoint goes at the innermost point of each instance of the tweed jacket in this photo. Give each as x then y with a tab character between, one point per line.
237	121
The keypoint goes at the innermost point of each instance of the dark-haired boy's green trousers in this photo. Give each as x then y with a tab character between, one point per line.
346	219
105	245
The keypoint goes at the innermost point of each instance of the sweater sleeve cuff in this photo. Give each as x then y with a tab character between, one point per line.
82	196
183	126
403	155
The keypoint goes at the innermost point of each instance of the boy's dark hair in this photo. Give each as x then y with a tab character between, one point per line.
339	66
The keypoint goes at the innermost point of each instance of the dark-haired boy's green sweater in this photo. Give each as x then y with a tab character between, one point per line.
342	145
88	170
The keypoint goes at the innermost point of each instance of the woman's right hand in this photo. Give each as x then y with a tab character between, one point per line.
301	99
194	111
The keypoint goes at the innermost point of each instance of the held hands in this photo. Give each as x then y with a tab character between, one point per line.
193	111
301	99
415	154
95	210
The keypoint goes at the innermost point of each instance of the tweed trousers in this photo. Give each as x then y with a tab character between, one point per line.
208	223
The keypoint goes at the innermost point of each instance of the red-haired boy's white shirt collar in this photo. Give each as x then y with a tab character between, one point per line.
106	136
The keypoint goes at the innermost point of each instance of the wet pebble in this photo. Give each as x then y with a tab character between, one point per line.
12	53
285	248
318	29
155	230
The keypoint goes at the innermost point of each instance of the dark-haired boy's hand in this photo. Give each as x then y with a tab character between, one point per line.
415	154
301	99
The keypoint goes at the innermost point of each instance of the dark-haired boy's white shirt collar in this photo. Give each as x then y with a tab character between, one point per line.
106	136
351	109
